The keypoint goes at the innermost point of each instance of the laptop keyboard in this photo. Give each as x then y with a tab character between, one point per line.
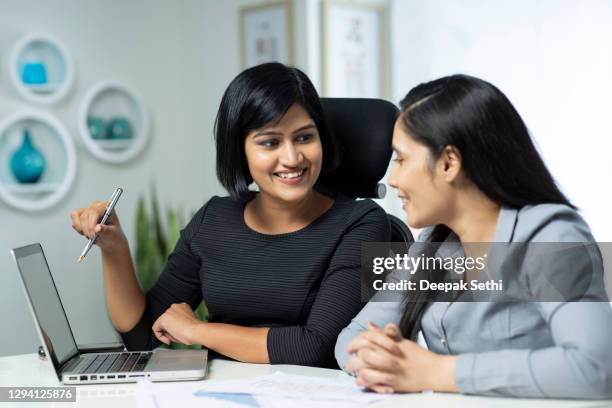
111	363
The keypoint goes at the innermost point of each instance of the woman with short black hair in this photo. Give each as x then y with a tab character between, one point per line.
468	172
258	97
278	268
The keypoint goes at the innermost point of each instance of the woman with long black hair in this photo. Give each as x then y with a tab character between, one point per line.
467	170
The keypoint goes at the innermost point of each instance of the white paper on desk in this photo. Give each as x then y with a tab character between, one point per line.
268	391
168	400
297	387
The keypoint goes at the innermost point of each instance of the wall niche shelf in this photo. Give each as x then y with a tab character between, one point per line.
41	68
113	122
51	138
32	188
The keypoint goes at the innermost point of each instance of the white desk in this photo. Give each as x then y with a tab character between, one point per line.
28	370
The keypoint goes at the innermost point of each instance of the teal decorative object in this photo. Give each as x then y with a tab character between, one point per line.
97	128
119	128
27	162
34	73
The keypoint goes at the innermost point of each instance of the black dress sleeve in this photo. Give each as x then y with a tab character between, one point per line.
337	302
178	282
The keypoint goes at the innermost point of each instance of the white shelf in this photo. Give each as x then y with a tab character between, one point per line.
43	88
58	64
110	99
34	188
110	144
50	137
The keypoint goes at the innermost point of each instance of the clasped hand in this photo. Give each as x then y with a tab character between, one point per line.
385	362
178	324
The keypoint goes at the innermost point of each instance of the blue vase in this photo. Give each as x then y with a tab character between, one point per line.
27	163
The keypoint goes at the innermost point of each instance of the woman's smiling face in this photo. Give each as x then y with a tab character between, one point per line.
285	157
417	180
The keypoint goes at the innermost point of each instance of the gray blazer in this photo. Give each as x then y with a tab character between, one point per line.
529	349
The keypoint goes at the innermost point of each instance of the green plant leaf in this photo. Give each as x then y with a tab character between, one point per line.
142	233
202	311
157	223
174	231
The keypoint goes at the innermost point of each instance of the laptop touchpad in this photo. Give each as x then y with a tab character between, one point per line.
170	360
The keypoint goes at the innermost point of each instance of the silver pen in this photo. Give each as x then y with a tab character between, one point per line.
109	209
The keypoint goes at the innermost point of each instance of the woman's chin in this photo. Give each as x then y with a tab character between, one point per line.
293	194
413	221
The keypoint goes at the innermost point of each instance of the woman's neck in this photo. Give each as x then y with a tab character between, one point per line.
474	218
276	216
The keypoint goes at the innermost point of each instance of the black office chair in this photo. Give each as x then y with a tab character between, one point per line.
364	129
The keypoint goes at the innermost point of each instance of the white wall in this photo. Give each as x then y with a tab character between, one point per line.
553	60
159	48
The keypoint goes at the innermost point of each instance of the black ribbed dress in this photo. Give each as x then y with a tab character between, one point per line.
304	285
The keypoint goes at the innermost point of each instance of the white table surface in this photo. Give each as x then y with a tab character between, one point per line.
29	370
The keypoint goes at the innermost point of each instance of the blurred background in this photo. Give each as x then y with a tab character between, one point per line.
103	93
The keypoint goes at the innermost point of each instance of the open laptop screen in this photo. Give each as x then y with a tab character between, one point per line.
46	303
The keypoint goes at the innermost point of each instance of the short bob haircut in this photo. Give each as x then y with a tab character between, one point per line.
259	96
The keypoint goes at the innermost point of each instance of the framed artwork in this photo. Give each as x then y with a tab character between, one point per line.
266	33
355	45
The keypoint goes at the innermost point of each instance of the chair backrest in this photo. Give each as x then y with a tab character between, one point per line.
399	230
364	130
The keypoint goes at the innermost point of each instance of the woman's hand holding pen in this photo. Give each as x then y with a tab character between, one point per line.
125	299
86	221
384	361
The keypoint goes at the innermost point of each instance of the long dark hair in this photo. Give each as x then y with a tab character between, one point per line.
497	152
256	97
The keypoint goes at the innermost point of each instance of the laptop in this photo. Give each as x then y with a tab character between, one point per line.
74	366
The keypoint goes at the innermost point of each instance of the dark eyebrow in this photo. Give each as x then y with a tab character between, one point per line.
305	127
273	133
266	133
